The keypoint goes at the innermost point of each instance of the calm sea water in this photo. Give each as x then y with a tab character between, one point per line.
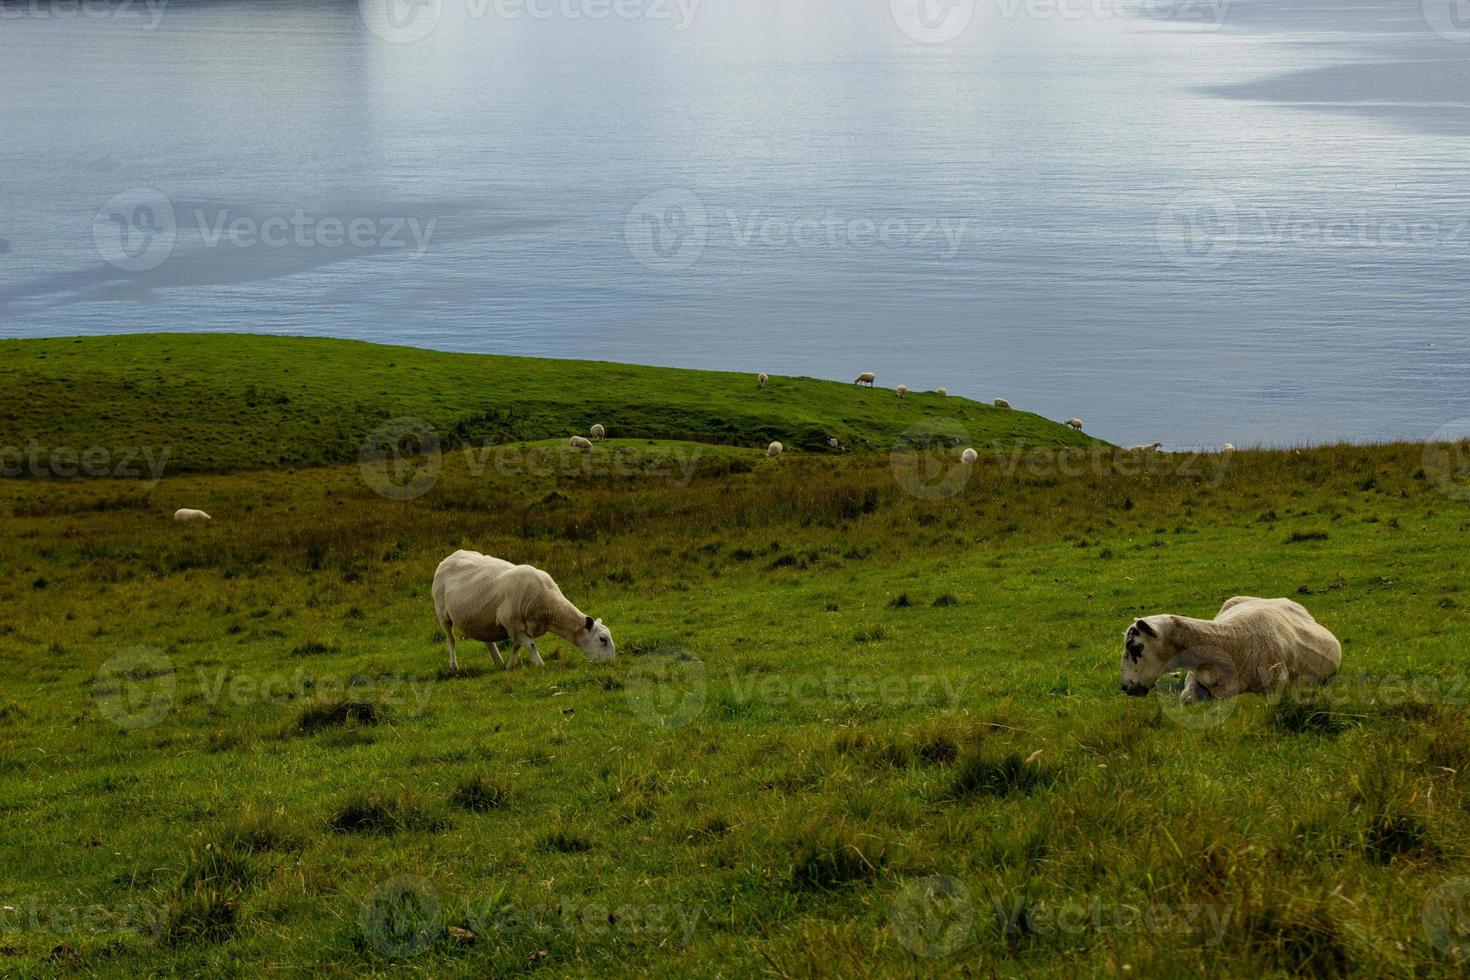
1181	220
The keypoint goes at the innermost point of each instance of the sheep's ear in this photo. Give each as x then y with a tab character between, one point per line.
587	625
1143	627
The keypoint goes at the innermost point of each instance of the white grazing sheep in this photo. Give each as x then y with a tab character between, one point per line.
942	392
1002	403
598	432
490	600
969	456
1251	646
761	379
1074	423
1227	448
775	449
579	442
1152	447
189	514
866	378
833	443
902	390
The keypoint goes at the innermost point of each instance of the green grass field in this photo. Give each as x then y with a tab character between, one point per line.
864	720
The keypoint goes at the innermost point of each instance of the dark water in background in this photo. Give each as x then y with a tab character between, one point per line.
1256	232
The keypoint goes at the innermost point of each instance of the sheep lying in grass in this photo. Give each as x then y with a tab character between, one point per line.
1002	403
969	456
598	432
1251	646
189	514
1074	423
761	379
902	390
582	443
490	600
775	449
866	378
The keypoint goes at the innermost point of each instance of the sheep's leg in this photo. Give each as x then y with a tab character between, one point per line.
515	656
530	645
495	652
1193	691
1210	681
449	639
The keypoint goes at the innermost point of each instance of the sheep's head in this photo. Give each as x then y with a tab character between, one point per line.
1146	652
596	641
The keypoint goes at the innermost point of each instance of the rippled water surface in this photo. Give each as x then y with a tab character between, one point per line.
1186	221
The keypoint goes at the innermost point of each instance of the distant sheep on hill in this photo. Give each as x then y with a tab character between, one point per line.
1152	447
902	390
942	392
761	379
1002	403
1227	448
490	600
584	444
1074	423
866	378
775	449
184	514
1251	646
969	456
598	432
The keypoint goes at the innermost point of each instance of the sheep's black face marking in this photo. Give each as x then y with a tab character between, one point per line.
1134	650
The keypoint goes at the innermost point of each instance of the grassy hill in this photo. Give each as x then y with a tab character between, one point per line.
224	402
855	727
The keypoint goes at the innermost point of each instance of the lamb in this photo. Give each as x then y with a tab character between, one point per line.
1251	646
866	378
1152	447
490	600
598	432
1074	423
1002	403
775	449
942	392
902	390
579	442
969	456
184	514
761	379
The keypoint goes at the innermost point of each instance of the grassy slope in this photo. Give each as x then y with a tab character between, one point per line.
871	670
225	402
